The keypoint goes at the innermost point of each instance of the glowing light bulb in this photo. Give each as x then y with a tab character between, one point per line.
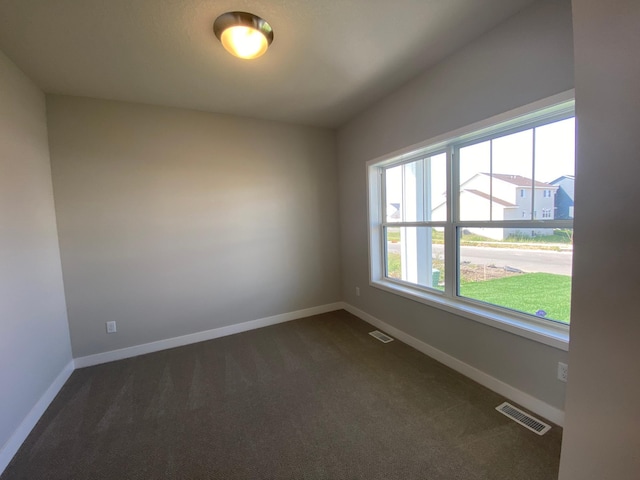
244	42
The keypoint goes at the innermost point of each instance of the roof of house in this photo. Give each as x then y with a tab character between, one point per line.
563	177
517	180
496	200
396	213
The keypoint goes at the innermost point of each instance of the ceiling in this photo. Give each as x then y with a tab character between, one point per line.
329	60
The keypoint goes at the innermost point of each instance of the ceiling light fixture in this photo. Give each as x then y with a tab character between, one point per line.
243	34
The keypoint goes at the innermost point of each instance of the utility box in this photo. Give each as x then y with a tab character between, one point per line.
435	277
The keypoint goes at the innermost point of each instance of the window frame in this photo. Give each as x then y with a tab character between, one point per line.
539	113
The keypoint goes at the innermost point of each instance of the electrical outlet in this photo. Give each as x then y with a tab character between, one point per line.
111	327
357	291
563	371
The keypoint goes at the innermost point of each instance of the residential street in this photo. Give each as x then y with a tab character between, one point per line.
525	260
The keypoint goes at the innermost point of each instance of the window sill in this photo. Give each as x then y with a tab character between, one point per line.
545	332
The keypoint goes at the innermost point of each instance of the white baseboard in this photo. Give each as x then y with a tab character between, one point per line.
535	405
136	350
12	445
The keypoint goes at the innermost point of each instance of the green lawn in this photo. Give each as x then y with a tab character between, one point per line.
437	237
394	267
527	293
393	235
559	236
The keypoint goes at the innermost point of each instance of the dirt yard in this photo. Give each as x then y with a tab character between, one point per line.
480	273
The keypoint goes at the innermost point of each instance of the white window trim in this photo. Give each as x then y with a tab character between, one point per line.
544	331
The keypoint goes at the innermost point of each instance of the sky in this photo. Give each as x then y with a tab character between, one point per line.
512	154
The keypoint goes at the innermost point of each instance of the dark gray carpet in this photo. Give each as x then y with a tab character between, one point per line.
316	398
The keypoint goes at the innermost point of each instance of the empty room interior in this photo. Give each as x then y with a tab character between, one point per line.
347	251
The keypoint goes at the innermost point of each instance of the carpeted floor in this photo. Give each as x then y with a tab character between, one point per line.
316	398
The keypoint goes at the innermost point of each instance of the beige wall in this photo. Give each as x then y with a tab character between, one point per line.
173	222
34	343
602	435
525	59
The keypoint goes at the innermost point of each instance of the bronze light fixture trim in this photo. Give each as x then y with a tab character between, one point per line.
243	34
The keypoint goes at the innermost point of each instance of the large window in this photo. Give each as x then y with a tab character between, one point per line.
481	223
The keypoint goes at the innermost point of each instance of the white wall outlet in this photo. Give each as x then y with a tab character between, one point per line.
357	291
111	327
563	371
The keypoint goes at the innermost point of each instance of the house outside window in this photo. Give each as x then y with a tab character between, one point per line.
564	196
452	224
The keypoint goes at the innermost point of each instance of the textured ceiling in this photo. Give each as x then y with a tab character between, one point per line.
330	59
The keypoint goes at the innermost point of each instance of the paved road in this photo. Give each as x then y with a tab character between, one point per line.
525	260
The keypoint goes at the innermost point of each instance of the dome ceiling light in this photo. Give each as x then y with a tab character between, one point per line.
243	34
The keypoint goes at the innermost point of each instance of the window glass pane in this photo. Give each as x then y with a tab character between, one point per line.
555	166
393	194
416	191
512	164
405	192
416	255
475	183
523	269
436	180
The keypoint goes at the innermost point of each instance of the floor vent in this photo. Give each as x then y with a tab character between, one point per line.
381	336
523	418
